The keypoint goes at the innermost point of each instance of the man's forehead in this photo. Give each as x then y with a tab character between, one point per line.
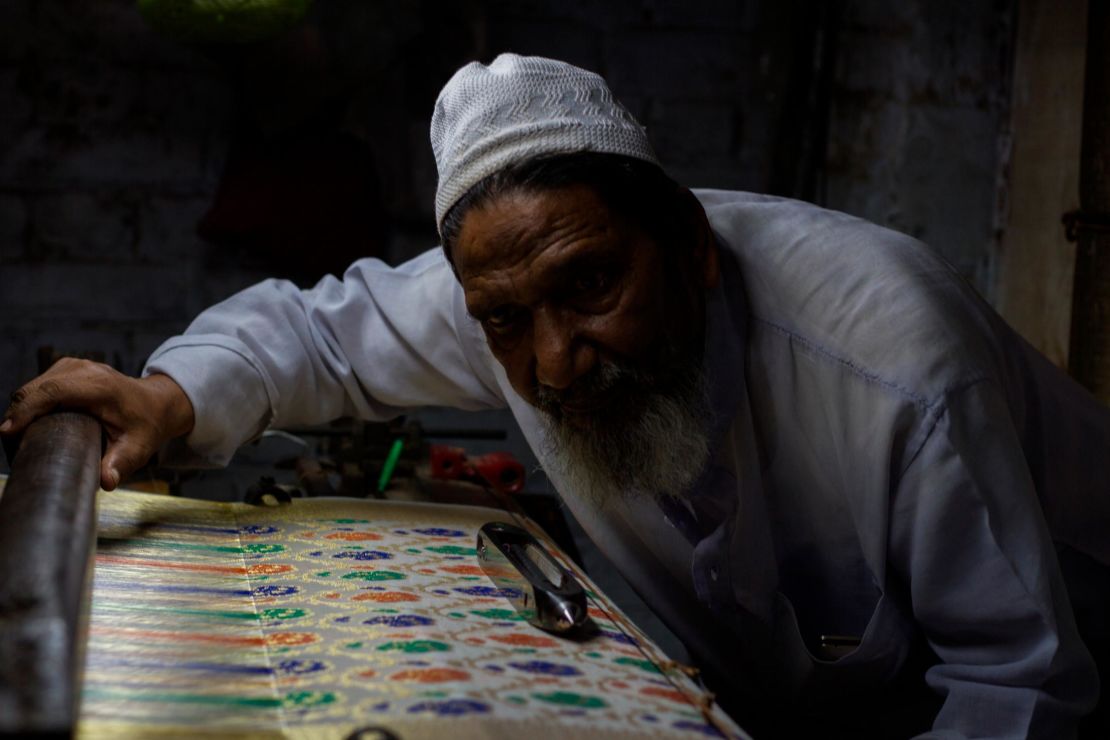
517	226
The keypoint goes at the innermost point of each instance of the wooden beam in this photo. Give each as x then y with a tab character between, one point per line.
1033	286
47	535
1090	335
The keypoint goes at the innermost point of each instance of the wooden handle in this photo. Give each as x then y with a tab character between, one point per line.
47	537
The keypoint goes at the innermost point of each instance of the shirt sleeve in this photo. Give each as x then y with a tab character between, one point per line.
377	342
969	539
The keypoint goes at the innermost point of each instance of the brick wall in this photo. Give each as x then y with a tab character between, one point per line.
113	138
111	142
917	131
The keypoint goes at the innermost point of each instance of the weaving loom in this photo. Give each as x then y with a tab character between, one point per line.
324	617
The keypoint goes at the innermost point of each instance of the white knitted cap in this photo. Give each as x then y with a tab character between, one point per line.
487	118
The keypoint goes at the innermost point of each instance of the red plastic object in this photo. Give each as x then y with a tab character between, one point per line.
498	470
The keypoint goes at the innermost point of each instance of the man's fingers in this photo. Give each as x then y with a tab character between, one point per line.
74	383
124	456
30	402
109	476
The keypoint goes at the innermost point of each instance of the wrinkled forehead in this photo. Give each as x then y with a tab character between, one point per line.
518	226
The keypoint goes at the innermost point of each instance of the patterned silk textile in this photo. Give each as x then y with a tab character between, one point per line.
320	617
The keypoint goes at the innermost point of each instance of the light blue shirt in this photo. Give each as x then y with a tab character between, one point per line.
891	462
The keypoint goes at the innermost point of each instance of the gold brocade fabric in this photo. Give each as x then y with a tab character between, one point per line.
316	618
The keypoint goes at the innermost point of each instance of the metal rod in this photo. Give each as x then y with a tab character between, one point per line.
441	433
47	536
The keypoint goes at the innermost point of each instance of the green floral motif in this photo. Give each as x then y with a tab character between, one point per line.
453	550
645	665
309	698
570	699
263	547
374	575
507	615
282	613
416	646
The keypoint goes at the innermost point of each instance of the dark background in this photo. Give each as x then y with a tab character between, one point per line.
143	178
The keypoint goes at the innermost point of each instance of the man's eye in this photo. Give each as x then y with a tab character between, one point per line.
502	319
590	283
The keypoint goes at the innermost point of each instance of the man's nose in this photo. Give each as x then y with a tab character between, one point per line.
560	357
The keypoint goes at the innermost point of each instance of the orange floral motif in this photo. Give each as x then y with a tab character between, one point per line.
291	638
353	536
525	640
665	694
268	569
431	675
463	570
386	597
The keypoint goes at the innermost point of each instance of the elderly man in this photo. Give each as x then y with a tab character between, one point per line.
825	463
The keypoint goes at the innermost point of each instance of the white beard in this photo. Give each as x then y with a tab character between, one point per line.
658	453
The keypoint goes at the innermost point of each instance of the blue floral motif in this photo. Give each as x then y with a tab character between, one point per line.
257	529
619	637
439	532
546	669
450	707
508	593
707	730
298	667
273	590
363	555
401	620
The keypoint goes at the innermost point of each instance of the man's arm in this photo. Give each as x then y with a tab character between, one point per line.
372	345
969	539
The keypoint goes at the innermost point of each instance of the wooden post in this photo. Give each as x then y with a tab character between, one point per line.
47	534
1089	359
1035	263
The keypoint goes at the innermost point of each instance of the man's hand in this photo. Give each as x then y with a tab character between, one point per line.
139	415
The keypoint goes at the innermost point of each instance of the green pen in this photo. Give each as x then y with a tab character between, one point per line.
390	463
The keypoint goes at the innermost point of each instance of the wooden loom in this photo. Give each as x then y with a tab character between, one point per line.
320	618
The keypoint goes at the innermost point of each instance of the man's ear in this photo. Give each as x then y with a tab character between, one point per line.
705	246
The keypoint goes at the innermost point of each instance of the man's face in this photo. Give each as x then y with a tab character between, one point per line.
595	324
